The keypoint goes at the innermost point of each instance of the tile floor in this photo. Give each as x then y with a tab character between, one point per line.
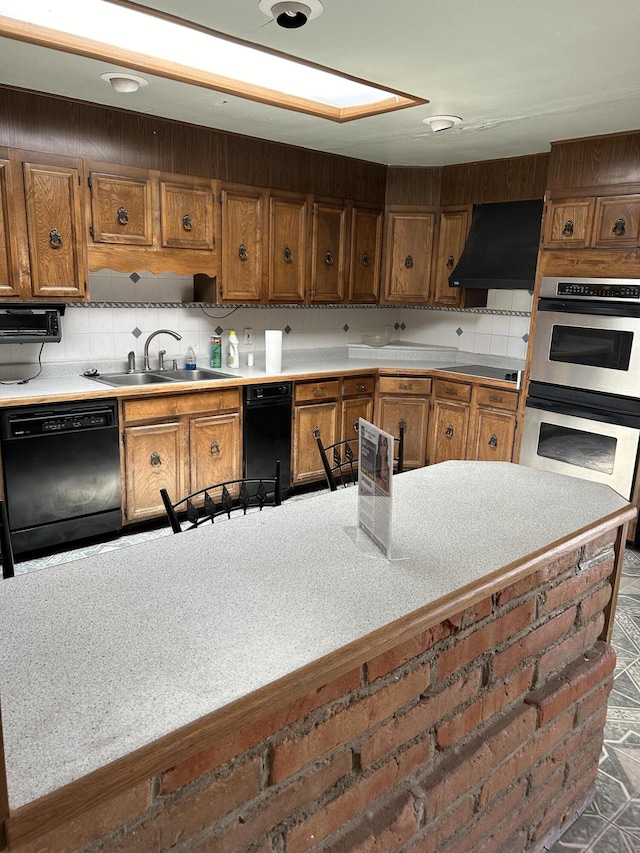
611	824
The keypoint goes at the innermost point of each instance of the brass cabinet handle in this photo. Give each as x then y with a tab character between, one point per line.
495	398
402	423
408	262
356	425
405	386
328	258
288	255
449	264
450	390
320	390
567	231
493	441
242	252
123	216
215	448
449	431
361	386
55	239
619	227
155	459
186	222
365	260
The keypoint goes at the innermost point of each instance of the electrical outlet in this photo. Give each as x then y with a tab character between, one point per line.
247	337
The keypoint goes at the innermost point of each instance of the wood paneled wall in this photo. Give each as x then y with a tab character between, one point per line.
595	161
413	185
77	129
509	179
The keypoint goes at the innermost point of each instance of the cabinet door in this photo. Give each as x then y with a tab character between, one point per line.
154	460
450	430
414	411
186	214
328	255
409	242
568	223
215	448
54	225
617	222
242	242
9	275
365	255
307	467
454	227
352	411
121	208
494	433
287	248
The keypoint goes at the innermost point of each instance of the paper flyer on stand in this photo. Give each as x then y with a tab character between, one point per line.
375	481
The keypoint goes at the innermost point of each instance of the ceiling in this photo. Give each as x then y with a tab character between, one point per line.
520	74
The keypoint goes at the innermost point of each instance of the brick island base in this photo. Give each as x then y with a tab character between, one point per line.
482	733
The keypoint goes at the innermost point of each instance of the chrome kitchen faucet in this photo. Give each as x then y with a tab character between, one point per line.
175	335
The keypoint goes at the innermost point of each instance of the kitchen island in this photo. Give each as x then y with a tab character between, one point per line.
275	680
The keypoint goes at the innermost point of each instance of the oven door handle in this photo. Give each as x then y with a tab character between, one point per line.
573	410
596	309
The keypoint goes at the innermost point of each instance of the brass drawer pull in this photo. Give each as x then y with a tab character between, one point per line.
123	216
405	386
451	390
361	386
186	222
493	441
449	431
495	398
319	391
619	227
155	459
242	252
567	231
55	239
215	448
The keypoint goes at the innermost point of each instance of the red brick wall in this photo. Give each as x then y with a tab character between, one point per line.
481	734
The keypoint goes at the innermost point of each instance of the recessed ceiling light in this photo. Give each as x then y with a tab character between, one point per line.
438	123
152	42
124	82
290	14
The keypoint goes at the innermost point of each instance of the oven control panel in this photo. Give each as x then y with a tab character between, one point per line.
608	289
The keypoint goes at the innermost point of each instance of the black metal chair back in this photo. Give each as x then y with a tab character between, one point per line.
219	499
5	543
340	459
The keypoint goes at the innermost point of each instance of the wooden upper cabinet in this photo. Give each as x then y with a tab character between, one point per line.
328	253
9	268
186	214
454	228
617	222
121	207
365	255
288	247
55	233
568	223
243	240
409	241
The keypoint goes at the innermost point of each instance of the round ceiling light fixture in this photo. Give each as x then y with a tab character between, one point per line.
122	82
290	14
438	123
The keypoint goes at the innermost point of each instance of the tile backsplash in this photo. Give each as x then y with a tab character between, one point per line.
126	309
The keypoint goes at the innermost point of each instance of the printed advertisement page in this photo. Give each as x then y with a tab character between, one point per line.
375	484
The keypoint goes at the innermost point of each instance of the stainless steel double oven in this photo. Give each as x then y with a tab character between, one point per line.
582	413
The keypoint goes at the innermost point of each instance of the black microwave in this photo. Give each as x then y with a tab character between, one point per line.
30	324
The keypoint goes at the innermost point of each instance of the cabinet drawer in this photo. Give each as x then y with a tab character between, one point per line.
452	390
409	385
354	385
326	390
184	404
495	398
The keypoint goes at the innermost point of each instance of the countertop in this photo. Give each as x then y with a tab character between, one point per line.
104	655
71	384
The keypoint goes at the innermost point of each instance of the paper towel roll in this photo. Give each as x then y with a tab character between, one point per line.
273	350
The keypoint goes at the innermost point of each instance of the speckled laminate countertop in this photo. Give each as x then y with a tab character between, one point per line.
104	655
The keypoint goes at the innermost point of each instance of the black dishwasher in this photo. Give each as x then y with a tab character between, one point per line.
267	431
61	469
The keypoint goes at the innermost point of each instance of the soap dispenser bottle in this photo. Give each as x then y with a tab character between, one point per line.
190	360
234	349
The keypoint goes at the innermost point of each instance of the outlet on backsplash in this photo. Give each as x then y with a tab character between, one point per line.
247	337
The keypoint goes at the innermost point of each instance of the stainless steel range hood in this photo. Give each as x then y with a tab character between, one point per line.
502	248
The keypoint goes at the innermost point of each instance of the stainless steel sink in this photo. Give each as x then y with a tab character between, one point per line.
143	377
199	374
123	379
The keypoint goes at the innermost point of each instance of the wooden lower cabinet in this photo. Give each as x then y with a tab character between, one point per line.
305	464
406	398
181	444
450	421
493	425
